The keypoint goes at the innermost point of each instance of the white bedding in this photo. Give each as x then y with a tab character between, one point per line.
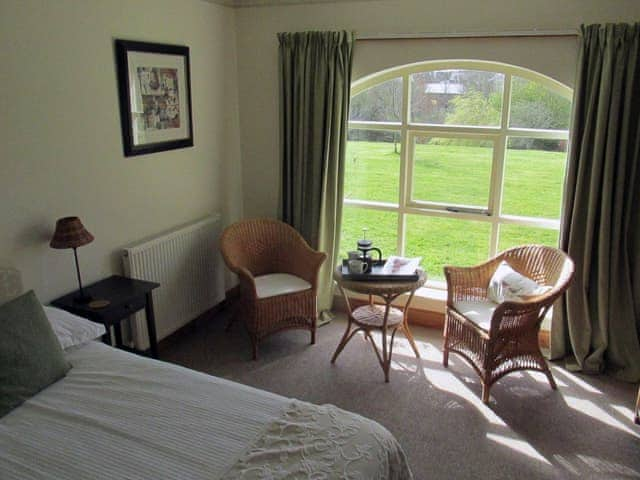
117	415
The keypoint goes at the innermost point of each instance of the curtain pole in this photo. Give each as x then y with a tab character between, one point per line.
443	35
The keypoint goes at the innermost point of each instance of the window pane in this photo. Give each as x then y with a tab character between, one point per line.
382	229
515	235
533	177
452	171
457	97
381	103
372	165
534	106
445	241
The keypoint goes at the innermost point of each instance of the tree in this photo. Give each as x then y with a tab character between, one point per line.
472	108
475	108
380	103
532	106
535	106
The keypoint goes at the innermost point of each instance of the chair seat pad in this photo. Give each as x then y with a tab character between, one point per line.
479	313
274	284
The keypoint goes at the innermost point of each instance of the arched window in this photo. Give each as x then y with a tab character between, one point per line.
454	161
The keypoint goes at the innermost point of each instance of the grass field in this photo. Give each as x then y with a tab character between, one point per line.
453	175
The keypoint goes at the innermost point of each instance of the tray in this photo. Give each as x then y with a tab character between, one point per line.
376	274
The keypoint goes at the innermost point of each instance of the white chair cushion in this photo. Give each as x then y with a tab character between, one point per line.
279	284
479	313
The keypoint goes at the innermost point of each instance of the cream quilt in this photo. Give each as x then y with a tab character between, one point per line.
121	416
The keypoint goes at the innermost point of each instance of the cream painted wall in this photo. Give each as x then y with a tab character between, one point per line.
258	57
61	147
554	56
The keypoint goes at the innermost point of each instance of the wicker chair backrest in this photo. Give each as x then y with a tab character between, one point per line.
260	245
545	265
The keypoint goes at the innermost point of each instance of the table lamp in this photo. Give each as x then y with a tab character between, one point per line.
70	233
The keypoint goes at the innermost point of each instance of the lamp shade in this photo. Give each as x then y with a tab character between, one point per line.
70	233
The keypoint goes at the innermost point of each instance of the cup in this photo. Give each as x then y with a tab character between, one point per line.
357	266
354	255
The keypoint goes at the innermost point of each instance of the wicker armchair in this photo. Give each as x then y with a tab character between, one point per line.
278	275
497	339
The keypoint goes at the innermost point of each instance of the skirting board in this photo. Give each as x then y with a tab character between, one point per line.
424	318
193	324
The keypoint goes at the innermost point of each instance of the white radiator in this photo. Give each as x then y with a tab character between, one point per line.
187	264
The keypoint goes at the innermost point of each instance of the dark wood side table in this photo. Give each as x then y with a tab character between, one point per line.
126	297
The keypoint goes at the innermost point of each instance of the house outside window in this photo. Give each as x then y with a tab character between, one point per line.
454	161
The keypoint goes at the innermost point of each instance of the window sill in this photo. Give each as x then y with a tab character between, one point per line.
430	298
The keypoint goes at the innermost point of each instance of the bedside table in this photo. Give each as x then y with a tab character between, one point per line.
126	297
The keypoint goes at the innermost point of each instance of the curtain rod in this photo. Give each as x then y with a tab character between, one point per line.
437	35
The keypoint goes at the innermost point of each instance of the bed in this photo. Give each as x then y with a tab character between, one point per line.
118	415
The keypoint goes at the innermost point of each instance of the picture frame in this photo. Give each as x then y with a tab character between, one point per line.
154	85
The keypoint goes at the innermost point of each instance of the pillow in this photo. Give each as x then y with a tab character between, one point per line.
71	329
507	285
31	358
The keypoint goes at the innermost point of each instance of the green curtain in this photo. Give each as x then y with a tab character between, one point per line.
315	80
599	319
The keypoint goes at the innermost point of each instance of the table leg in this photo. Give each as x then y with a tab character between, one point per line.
151	325
386	358
106	338
347	334
369	338
391	340
343	342
412	342
118	332
405	326
384	361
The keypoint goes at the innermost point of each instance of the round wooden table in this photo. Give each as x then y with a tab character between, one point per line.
378	317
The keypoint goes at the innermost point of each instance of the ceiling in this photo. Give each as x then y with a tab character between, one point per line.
268	3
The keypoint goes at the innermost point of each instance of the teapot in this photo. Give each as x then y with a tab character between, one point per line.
365	246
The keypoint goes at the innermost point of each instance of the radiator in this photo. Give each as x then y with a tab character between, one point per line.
187	264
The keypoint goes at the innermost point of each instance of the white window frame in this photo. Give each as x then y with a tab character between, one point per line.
499	135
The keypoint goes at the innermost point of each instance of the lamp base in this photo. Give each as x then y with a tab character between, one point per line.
82	299
99	303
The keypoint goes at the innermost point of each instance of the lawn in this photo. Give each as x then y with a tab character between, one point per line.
453	175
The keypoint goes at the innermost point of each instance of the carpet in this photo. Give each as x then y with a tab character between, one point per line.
584	429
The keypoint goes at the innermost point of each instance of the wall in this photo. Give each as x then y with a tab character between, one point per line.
258	57
554	56
60	133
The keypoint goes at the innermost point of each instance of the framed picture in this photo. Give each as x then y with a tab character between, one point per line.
155	97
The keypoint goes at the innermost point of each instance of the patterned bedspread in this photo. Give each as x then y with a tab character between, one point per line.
322	442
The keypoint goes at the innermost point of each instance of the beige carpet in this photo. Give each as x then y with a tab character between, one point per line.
584	430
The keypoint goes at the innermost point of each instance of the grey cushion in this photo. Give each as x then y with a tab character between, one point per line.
31	358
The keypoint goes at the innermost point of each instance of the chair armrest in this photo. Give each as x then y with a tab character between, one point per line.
247	281
469	283
305	262
516	315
